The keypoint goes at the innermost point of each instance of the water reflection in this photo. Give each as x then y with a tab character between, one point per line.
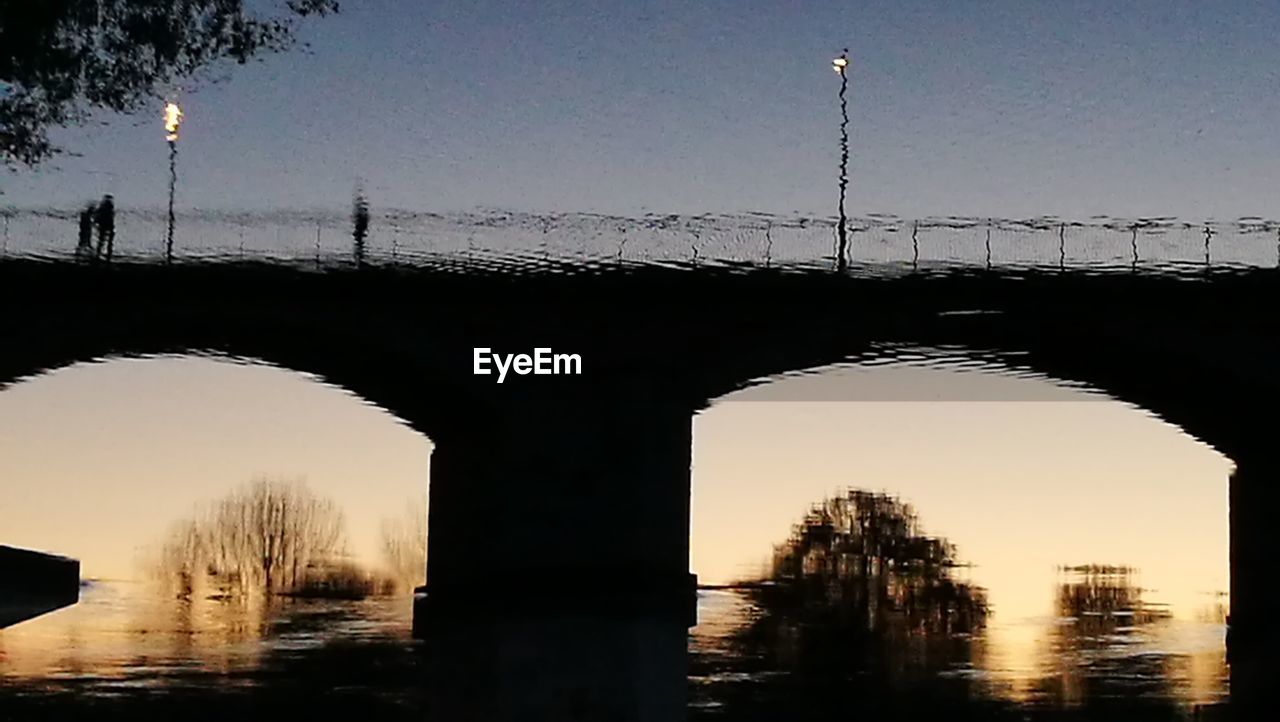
270	537
572	242
126	646
861	561
1109	643
133	636
860	605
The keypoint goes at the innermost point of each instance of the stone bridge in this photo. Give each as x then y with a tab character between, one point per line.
559	504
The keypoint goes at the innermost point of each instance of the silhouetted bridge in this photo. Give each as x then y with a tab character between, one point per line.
583	482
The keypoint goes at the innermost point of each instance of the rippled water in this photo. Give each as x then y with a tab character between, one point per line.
499	240
1048	665
123	636
123	644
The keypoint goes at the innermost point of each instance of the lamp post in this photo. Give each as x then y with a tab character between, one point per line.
840	64
172	122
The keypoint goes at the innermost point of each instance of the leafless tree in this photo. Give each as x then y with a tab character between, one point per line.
181	557
260	538
404	544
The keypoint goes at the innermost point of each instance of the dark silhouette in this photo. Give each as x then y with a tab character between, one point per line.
988	245
1062	247
842	243
915	246
35	583
64	60
860	611
1133	243
360	225
1100	611
1102	599
173	185
84	244
337	579
104	218
584	481
860	562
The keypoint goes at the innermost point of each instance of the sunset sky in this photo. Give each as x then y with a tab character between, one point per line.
1000	108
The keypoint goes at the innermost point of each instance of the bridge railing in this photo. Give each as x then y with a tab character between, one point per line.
503	239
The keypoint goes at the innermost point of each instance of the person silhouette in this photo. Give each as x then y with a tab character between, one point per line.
105	219
84	248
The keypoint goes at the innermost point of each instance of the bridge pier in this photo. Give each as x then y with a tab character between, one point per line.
558	582
1253	636
34	583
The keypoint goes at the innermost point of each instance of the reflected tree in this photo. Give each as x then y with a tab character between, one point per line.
262	538
1097	646
860	560
182	557
404	545
1103	600
62	59
858	586
861	613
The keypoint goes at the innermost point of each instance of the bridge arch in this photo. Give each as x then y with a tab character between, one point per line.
403	370
1074	476
107	457
16	376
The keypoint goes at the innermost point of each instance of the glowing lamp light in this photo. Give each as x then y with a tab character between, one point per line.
839	64
172	119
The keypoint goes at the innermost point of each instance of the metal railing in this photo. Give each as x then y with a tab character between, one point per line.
499	239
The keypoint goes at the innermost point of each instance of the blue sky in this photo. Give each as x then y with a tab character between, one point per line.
998	108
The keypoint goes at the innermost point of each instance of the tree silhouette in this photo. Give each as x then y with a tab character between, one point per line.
261	538
860	613
860	560
1094	660
62	59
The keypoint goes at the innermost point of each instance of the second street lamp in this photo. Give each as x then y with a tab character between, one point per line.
172	122
840	64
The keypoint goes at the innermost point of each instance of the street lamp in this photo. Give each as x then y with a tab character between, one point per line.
840	65
172	122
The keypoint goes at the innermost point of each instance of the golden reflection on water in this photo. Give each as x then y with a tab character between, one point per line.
1103	633
125	635
124	630
122	637
1033	486
1062	658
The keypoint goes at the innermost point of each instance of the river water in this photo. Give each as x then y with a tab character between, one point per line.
124	649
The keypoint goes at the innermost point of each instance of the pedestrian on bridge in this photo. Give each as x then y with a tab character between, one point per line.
84	248
105	220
